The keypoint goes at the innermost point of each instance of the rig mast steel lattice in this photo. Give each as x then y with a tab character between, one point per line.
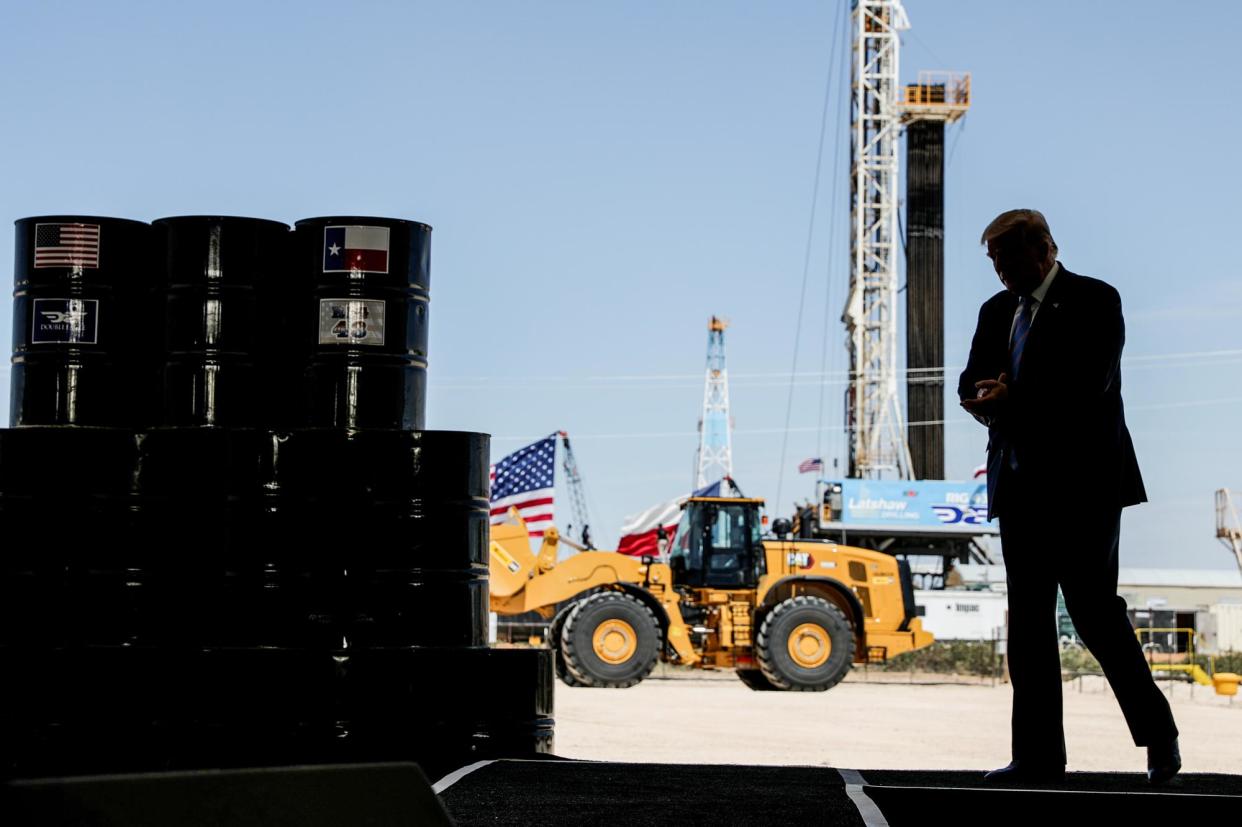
874	420
715	456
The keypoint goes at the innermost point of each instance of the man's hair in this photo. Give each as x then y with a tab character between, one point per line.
1031	224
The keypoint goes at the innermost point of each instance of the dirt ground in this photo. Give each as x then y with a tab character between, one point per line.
871	722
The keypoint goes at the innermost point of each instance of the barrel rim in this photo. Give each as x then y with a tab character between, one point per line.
355	219
79	219
241	429
422	433
167	219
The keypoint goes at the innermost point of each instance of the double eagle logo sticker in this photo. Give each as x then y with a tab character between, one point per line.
65	321
353	249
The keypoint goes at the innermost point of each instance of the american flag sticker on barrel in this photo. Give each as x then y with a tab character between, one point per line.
348	249
66	245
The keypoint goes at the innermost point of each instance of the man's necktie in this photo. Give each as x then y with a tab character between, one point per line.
1017	342
1021	328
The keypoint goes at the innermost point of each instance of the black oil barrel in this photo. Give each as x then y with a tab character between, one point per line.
56	489
233	537
371	538
118	535
363	323
221	279
268	563
163	581
85	710
80	287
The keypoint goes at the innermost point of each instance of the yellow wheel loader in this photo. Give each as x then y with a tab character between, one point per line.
784	614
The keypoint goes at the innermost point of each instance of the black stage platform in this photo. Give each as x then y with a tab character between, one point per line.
552	792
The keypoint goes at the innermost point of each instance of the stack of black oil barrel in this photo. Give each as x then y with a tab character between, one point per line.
227	540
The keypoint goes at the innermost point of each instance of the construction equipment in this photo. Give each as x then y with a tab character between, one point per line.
784	614
876	433
879	446
714	460
927	107
930	518
577	492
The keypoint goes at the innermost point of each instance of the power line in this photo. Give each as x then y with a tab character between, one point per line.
1181	360
806	429
832	223
829	83
948	164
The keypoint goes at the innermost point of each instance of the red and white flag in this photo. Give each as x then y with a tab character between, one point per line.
524	480
348	249
640	534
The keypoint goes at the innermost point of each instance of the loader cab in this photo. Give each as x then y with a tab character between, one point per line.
717	544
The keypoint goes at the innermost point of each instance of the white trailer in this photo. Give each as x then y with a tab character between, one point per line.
962	614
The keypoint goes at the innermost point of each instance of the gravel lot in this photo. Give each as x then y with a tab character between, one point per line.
877	722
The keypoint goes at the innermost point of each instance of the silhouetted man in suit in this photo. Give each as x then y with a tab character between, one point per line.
1044	375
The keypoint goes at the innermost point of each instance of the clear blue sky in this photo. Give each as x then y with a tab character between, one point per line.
602	177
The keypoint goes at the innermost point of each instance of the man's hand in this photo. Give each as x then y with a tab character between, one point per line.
989	394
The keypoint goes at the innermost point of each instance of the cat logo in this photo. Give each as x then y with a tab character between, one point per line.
801	560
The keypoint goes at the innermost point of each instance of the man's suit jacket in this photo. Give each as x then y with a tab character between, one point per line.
1063	419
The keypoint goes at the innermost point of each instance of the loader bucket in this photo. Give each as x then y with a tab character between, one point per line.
510	558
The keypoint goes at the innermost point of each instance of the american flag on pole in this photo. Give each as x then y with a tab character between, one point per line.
809	465
524	480
66	245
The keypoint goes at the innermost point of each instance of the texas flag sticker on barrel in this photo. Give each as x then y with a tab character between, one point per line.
347	249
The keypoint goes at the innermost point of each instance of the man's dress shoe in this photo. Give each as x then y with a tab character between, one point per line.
1163	762
1027	772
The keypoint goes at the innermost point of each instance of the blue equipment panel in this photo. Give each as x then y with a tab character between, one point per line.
924	506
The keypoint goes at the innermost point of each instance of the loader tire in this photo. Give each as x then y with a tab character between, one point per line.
610	640
558	652
756	680
805	644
